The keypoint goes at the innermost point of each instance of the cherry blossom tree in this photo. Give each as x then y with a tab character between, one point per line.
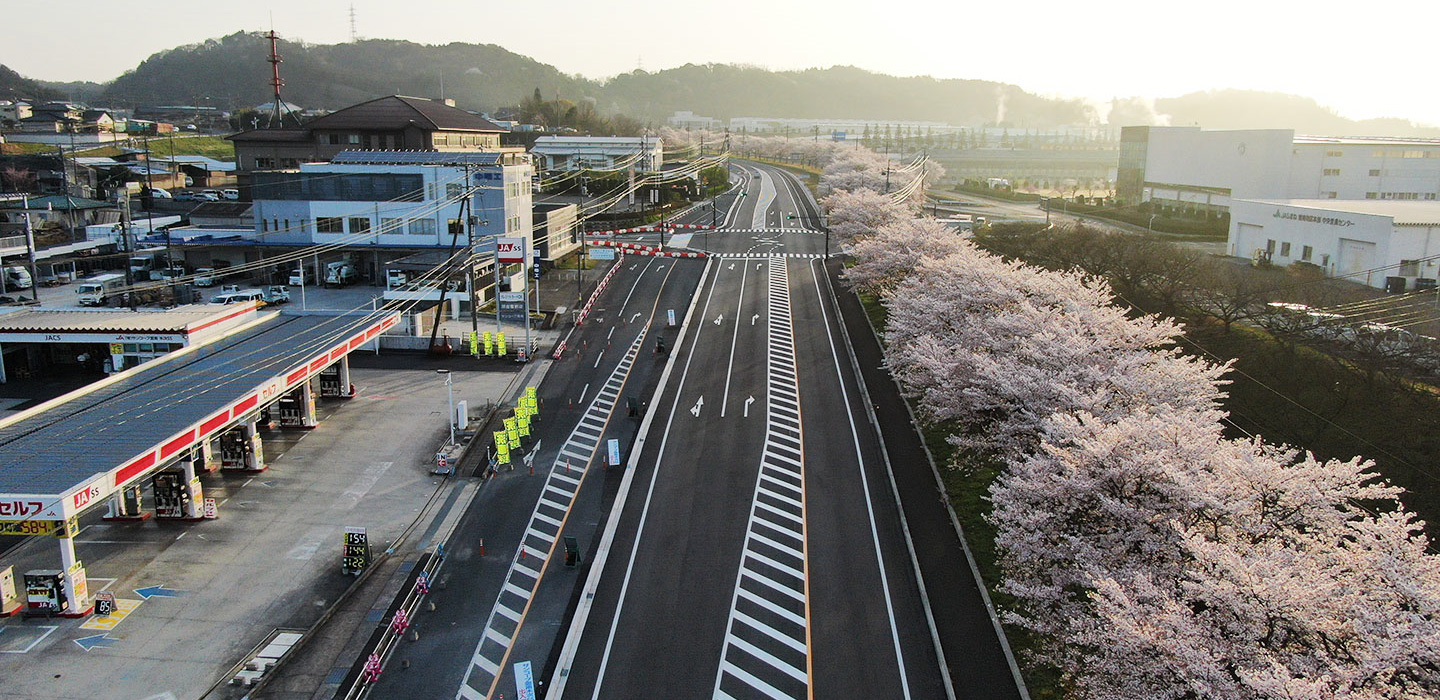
999	346
888	257
858	214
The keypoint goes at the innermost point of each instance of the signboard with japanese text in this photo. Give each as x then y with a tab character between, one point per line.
512	307
510	250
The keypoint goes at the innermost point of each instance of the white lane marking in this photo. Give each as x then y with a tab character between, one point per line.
520	567
865	485
754	318
730	368
696	408
755	565
611	333
719	318
650	495
747	405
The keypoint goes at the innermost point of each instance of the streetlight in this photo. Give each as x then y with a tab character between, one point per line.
1150	227
450	389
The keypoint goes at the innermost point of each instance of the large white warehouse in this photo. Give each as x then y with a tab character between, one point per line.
1366	241
1199	171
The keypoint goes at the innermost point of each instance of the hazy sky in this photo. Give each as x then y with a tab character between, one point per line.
1362	59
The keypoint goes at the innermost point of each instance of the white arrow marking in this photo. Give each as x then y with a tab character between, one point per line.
757	265
634	266
747	405
698	403
754	318
719	318
732	266
632	318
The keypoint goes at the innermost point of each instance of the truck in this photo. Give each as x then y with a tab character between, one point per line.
98	290
340	274
17	277
302	276
145	262
277	294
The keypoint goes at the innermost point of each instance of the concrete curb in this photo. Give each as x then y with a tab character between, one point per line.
960	532
894	491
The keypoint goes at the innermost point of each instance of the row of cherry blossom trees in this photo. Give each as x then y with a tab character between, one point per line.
1151	555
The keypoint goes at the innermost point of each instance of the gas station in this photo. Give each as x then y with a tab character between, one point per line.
197	408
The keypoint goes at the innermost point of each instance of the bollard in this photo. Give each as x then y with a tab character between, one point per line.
482	546
532	470
522	551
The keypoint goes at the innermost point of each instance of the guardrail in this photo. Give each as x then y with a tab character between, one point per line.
369	667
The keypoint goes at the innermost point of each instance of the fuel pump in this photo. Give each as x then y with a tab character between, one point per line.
233	449
330	382
172	498
44	592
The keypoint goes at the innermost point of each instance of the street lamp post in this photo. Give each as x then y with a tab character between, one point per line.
1150	227
450	389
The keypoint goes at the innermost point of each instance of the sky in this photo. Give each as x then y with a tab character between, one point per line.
1363	60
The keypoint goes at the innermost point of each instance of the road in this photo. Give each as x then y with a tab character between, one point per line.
760	554
750	545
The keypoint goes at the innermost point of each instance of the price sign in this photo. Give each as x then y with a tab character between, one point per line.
25	528
105	604
355	555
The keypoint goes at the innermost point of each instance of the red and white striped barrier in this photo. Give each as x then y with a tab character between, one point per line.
651	229
585	311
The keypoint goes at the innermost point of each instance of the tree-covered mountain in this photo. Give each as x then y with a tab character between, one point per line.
1246	109
232	72
841	92
14	86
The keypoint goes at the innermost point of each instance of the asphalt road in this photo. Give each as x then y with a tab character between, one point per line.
760	553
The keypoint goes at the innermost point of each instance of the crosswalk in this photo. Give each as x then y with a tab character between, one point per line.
767	639
766	256
541	535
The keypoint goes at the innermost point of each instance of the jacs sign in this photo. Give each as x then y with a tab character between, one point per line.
510	250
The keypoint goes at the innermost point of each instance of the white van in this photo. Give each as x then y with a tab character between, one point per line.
237	297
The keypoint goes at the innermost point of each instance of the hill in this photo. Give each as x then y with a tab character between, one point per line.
841	92
1247	109
15	86
231	72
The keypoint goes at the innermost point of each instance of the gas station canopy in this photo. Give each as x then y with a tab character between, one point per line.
65	455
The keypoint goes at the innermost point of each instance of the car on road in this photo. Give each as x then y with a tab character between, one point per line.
210	195
230	194
205	277
188	197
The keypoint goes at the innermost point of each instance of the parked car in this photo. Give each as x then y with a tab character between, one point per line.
210	195
156	192
230	194
188	197
205	277
237	297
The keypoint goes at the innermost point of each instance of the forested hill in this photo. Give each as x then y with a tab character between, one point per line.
842	92
232	72
14	86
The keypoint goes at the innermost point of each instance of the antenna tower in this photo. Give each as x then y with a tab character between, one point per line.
277	118
354	37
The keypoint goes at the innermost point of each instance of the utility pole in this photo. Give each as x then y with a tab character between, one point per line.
125	245
470	258
30	252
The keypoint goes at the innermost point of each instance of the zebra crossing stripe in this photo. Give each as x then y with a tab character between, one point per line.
774	553
494	646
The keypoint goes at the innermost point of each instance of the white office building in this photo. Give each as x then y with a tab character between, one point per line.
1194	170
567	153
1366	241
400	201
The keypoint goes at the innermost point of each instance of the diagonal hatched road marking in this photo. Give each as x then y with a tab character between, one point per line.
767	636
562	484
